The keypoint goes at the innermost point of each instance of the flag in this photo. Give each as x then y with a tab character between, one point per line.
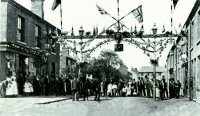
138	14
163	31
97	30
135	30
102	11
94	31
142	29
175	2
72	33
55	4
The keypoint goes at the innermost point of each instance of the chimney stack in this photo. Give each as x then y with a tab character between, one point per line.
37	7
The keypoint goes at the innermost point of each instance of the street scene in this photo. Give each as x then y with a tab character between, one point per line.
99	58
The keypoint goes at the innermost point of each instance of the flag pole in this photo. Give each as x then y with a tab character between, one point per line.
61	15
171	20
118	28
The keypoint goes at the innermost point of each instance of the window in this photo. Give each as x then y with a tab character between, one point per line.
53	43
20	29
38	36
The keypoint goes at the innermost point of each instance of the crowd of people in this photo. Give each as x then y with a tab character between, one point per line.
144	88
14	86
63	85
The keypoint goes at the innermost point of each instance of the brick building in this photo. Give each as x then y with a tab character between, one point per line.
24	41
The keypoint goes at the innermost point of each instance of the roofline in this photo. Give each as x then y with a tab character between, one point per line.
193	12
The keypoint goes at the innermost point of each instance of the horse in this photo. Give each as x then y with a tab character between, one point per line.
92	85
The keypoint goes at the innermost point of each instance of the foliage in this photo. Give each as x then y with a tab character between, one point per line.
111	58
104	67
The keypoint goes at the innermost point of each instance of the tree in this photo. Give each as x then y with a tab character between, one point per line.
105	66
111	58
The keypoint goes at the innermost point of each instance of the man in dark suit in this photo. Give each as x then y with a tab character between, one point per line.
177	88
143	87
46	85
148	86
139	87
171	88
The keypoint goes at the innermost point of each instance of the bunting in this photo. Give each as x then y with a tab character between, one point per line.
138	14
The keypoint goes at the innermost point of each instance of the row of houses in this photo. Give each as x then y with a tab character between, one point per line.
149	72
25	45
183	60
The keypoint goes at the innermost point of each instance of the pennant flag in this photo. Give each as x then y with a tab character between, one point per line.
163	31
102	11
104	30
135	30
55	4
175	2
142	29
72	33
96	30
138	14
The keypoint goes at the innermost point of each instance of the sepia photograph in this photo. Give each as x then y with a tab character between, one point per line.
100	58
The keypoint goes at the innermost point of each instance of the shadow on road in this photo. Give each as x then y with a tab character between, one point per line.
49	102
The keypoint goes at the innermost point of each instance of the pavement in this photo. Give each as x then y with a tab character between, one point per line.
110	106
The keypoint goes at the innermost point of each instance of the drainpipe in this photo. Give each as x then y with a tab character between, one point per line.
189	64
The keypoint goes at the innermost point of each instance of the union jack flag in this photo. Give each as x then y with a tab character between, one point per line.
138	14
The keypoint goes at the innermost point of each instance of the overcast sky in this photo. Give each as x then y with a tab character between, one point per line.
85	13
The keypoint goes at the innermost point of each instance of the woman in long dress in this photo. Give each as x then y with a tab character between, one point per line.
28	88
8	88
14	85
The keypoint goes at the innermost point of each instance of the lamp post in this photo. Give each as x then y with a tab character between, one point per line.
154	29
81	32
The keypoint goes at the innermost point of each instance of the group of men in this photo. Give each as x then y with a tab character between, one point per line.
144	87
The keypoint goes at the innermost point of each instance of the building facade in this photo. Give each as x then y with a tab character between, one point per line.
67	61
177	64
25	45
187	59
148	70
